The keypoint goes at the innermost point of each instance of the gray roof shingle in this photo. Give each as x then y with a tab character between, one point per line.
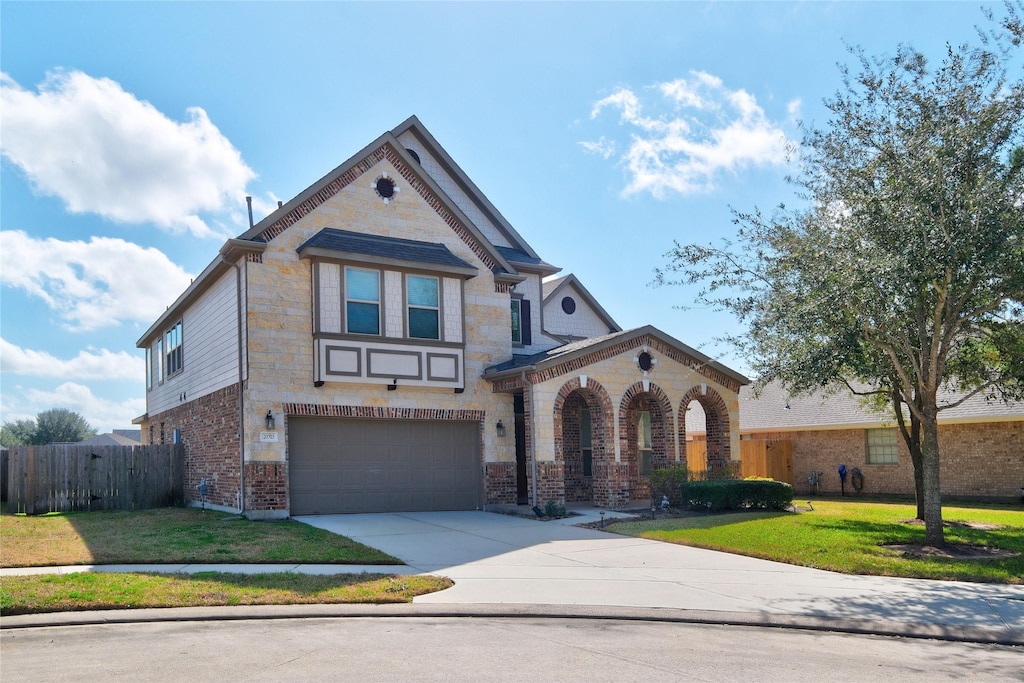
388	247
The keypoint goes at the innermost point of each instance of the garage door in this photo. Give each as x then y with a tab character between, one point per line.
338	466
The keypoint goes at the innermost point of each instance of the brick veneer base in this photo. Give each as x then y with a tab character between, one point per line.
209	433
500	483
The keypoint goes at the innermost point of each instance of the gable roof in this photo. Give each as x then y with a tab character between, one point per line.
552	288
386	146
112	439
594	346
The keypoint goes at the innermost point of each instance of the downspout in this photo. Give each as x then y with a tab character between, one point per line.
241	393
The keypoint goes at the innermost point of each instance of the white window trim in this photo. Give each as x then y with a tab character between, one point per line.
379	303
436	309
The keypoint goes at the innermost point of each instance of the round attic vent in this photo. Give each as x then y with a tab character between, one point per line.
568	305
414	155
645	361
385	187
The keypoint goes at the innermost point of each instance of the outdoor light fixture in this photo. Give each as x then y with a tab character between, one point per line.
394	385
501	428
270	420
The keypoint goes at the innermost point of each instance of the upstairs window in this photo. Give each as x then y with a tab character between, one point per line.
521	322
173	351
424	309
160	361
149	367
362	301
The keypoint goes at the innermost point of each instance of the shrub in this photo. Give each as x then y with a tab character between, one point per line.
727	494
667	481
554	510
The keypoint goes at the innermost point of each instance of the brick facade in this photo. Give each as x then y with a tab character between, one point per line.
500	483
977	460
209	433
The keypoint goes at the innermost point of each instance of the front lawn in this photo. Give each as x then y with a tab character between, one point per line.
185	536
852	537
171	536
95	591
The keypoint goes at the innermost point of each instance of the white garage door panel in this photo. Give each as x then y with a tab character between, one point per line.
347	465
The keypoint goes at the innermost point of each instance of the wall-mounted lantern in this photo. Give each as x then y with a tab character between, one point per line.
501	428
269	420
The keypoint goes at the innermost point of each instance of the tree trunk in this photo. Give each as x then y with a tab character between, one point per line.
933	531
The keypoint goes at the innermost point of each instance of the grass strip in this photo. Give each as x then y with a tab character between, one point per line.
852	537
100	591
171	535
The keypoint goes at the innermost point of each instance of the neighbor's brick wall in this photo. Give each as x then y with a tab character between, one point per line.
209	432
983	460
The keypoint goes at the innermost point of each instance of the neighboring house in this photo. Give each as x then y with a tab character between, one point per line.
119	437
981	442
385	341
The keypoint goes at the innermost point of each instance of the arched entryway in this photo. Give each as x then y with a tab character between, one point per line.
716	421
583	421
646	434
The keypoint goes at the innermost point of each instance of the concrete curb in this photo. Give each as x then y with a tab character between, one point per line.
965	634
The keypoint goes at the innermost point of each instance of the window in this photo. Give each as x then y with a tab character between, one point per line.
517	321
643	440
160	361
173	351
521	322
362	301
149	367
883	448
585	444
424	309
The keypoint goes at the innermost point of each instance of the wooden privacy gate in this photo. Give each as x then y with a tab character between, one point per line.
66	478
772	459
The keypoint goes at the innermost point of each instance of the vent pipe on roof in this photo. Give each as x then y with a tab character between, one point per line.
280	203
248	202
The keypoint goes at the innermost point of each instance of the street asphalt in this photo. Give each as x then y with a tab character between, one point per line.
507	565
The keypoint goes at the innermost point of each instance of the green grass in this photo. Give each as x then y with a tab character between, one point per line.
185	536
93	591
850	537
171	535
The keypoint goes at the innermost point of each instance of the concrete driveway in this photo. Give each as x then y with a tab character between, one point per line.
496	558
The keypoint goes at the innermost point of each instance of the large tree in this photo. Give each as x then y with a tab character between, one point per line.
57	425
901	274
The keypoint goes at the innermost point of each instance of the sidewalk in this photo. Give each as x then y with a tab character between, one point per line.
513	566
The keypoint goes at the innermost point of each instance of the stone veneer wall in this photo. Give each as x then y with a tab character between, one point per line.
977	460
209	433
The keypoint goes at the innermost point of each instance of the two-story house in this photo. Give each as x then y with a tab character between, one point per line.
386	341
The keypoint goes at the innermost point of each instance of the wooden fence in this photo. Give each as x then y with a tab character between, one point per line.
772	459
65	478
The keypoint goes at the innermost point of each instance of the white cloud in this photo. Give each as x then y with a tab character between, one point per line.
101	150
602	147
88	364
93	284
101	413
707	131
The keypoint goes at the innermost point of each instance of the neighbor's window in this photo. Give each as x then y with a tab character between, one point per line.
362	301
424	309
517	321
883	448
643	440
173	350
585	444
149	367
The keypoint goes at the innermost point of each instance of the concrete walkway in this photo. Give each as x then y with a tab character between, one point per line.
515	565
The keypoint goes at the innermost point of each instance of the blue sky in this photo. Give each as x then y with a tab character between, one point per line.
132	132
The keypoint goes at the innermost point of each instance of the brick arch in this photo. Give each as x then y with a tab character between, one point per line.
566	414
717	420
663	444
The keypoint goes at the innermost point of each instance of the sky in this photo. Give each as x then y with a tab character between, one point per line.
131	133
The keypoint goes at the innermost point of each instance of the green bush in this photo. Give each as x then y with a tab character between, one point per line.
554	510
728	494
667	481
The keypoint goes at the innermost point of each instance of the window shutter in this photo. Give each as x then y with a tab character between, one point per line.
525	322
